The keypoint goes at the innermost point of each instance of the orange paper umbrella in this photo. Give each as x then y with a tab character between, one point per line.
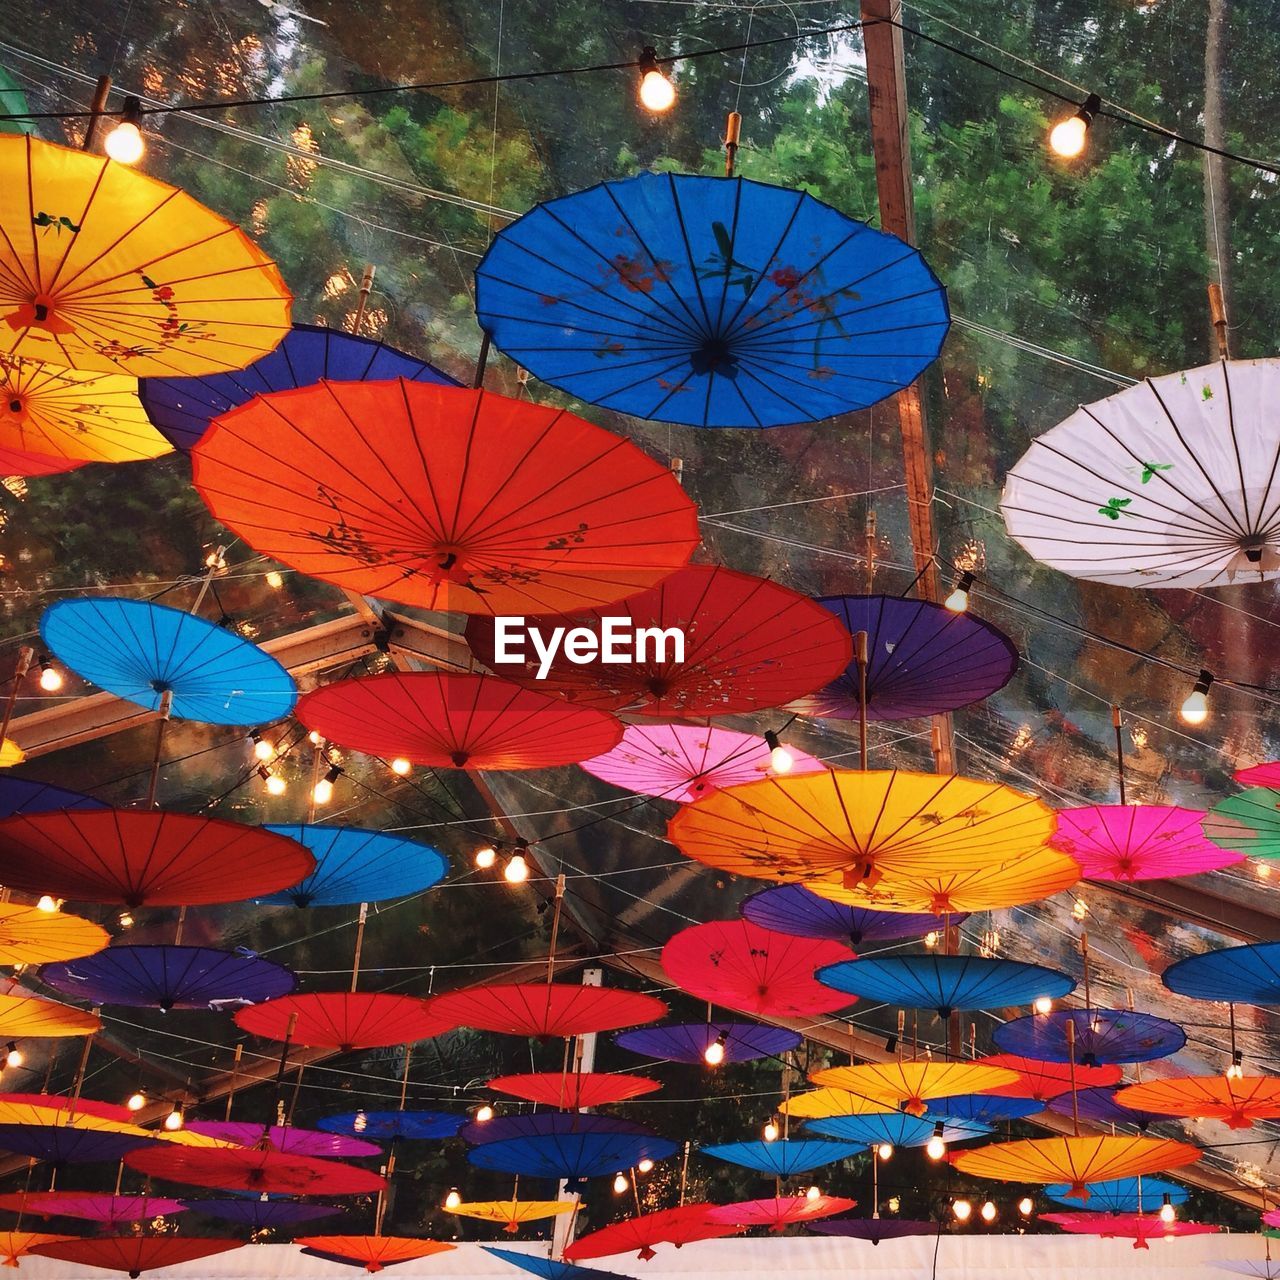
850	828
134	1254
677	1226
444	497
444	720
573	1090
16	1244
823	1104
373	1253
345	1020
1043	1081
1076	1161
550	1010
31	936
511	1213
779	1212
1237	1102
22	1017
258	1169
911	1084
103	267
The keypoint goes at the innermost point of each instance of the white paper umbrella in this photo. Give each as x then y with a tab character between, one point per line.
1174	482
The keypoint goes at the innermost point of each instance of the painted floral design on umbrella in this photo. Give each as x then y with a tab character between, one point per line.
1139	842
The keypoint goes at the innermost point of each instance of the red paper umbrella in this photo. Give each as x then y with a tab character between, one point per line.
573	1090
738	965
146	857
254	1169
446	498
748	644
1138	1227
373	1252
1045	1080
552	1010
134	1254
443	720
679	1226
345	1020
779	1212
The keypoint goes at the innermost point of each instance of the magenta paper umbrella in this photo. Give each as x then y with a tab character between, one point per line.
686	762
1266	774
1139	842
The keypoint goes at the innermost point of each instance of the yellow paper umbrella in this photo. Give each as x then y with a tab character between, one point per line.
1075	1160
853	828
511	1213
17	1244
1238	1103
106	268
31	936
911	1084
23	1017
10	753
822	1104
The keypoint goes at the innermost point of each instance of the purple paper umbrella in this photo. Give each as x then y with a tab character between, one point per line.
165	977
257	1213
298	1142
874	1229
922	660
793	909
61	1144
115	1210
1101	1036
1100	1106
689	1041
22	795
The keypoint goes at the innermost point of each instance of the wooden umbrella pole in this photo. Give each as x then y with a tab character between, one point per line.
80	1070
1071	1058
366	284
293	1101
732	135
684	1173
555	927
355	960
97	107
1084	957
1218	317
1116	725
317	759
860	656
871	549
26	655
786	1095
119	1177
482	361
166	706
902	1031
182	920
875	1181
284	1063
231	1084
215	560
635	1190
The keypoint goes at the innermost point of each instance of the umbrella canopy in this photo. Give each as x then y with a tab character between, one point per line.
1266	774
689	1041
255	1169
23	1016
1137	1227
748	644
547	1268
681	1225
785	1157
140	651
59	1102
62	1144
1139	842
1041	1080
135	1254
1123	1195
17	1244
985	1109
1101	1036
170	977
386	1126
70	418
1249	974
287	1138
373	1253
822	1104
258	1214
876	1229
121	272
445	498
685	762
791	908
554	1010
453	720
779	1212
117	1210
1262	1268
146	857
713	302
844	828
738	965
573	1090
1237	1102
345	1020
1168	483
1247	823
922	660
23	795
31	936
1100	1107
511	1213
355	865
1075	1160
945	983
912	1084
183	408
896	1128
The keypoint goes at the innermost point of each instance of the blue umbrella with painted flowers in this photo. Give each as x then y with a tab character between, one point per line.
793	909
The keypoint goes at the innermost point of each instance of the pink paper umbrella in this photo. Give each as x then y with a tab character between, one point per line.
684	762
1266	774
1139	842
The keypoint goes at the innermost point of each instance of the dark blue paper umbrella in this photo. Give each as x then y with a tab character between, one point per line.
181	409
61	1144
1100	1106
139	651
170	977
548	1268
875	1229
793	909
384	1126
784	1157
922	660
714	302
563	1144
1101	1036
354	865
978	1108
1248	975
257	1213
21	795
1122	1195
689	1041
896	1128
945	983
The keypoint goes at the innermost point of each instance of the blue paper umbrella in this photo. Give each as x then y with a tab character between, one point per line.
875	1229
384	1126
139	651
1100	1106
563	1144
1101	1036
1122	1195
170	977
549	1269
896	1128
21	795
982	1109
689	1041
61	1144
714	302
182	408
945	983
1249	975
784	1157
793	909
354	865
256	1213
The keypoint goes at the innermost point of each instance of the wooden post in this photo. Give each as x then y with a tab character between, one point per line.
860	656
1117	726
366	284
97	107
1218	318
355	961
166	704
732	132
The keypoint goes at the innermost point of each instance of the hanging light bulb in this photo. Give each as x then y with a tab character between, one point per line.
657	93
620	1184
1067	137
936	1147
1026	1206
136	1101
645	1166
780	759
1079	909
1236	1070
322	792
988	1211
931	939
1195	710
401	767
713	1054
486	857
453	1199
275	579
124	143
275	784
263	748
1167	1212
814	1193
1043	1005
174	1120
771	1130
517	869
13	1058
316	739
894	1203
962	1210
125	920
46	903
885	1151
361	1122
484	1113
958	600
50	677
